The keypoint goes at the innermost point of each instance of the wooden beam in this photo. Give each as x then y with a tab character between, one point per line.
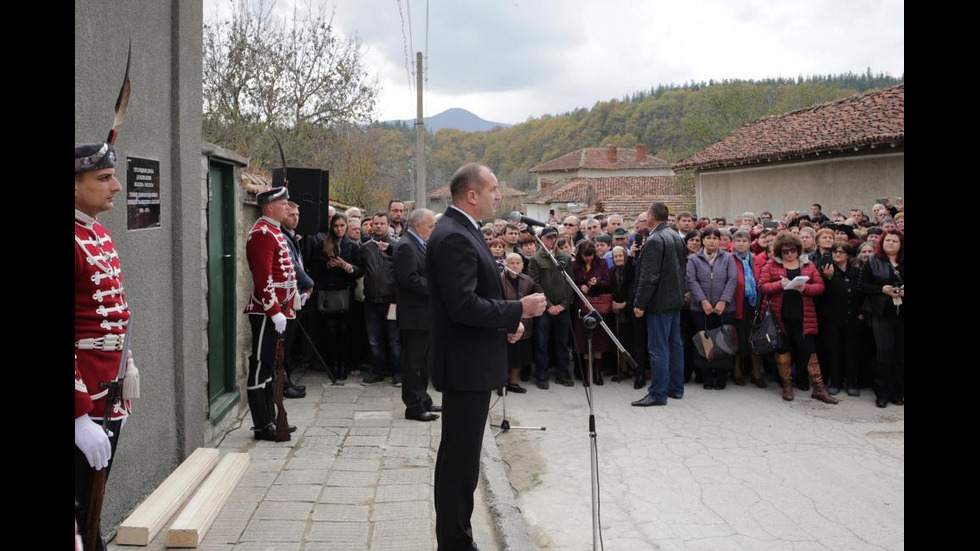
192	524
151	515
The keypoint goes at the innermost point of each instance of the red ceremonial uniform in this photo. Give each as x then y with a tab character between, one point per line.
101	316
273	274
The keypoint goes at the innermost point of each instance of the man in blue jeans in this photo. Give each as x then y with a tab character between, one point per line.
380	292
660	296
555	323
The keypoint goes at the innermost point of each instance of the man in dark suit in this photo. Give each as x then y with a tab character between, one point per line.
305	284
414	314
471	325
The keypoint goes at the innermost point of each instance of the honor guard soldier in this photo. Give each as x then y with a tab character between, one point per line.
101	319
273	303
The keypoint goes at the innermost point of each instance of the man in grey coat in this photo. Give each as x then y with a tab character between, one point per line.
660	296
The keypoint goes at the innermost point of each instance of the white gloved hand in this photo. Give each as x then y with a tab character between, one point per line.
303	298
279	320
93	441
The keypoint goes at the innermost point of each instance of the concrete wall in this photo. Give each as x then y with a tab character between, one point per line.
538	212
837	184
161	266
247	215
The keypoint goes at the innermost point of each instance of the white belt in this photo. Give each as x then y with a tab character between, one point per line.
109	343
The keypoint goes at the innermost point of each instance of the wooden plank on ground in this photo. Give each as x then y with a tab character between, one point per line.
151	515
190	526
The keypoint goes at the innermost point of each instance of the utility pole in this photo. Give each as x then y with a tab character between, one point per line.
421	201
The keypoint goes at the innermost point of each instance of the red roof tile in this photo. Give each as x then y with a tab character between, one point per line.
443	192
630	206
589	190
861	122
596	158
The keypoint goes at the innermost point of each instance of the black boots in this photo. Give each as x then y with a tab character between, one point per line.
262	426
261	402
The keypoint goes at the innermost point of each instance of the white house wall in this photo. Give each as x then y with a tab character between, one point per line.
837	184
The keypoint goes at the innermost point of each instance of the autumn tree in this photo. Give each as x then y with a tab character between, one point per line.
292	75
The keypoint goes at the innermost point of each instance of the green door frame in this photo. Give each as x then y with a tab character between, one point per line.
222	312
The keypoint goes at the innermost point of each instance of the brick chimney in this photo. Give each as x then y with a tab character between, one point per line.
611	153
641	153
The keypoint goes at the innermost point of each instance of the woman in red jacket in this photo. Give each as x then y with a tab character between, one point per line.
790	283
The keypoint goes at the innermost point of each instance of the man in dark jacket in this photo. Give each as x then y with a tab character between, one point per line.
375	259
660	297
305	284
414	314
555	322
472	324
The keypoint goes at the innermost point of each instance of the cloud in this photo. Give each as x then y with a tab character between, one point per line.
473	45
510	60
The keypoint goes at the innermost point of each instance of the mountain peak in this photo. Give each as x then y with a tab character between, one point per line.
456	118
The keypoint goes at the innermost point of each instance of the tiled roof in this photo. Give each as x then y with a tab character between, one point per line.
443	192
589	190
630	206
875	120
596	158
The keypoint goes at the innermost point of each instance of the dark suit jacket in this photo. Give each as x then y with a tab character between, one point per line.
302	277
412	285
470	318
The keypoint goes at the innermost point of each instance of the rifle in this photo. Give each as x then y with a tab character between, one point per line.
282	423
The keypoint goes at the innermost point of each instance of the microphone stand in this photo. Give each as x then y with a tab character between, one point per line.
505	425
593	319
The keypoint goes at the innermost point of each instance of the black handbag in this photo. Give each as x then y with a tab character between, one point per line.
716	344
764	336
334	301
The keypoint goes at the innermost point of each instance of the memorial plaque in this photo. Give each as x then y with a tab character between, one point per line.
142	193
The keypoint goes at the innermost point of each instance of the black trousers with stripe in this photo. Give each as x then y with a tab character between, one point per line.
262	360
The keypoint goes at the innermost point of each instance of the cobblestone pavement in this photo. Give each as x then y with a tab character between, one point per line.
356	476
737	469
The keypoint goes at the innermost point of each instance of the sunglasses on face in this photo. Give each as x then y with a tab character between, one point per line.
788	251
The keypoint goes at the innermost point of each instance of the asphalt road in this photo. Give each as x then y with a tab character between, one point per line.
737	469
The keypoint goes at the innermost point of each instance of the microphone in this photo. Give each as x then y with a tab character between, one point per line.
517	217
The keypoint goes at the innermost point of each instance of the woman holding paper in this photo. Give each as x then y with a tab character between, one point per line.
790	283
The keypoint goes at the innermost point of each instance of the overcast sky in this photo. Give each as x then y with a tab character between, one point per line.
510	60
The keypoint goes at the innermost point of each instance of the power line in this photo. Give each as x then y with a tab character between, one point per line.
408	72
411	45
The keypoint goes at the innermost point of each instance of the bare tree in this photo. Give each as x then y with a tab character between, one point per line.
264	71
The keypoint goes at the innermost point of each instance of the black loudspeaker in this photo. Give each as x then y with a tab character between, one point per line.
308	187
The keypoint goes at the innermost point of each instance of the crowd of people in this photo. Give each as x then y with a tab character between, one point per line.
831	285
